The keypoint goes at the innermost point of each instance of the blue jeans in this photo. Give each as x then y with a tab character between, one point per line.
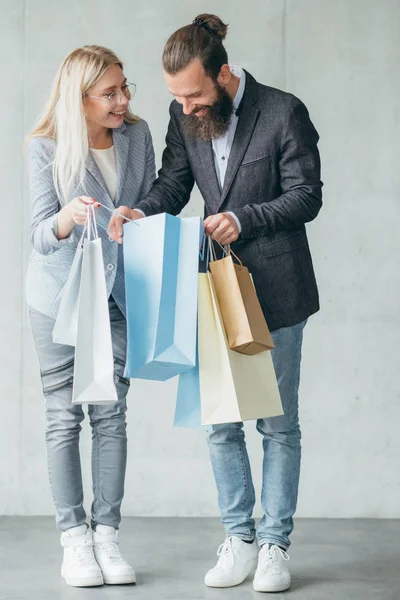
63	425
281	463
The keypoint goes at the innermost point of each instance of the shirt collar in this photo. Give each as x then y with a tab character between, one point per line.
239	72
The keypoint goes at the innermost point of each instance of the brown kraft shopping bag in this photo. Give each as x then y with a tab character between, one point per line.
242	316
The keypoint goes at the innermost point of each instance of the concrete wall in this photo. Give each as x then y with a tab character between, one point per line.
341	58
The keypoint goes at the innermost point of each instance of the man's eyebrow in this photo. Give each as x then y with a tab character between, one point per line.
196	93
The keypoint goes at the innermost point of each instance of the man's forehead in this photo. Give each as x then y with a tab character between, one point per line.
188	81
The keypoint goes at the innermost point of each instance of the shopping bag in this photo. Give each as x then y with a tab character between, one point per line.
188	408
234	387
94	363
242	316
161	258
66	325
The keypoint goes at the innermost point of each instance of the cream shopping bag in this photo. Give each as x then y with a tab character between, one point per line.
234	387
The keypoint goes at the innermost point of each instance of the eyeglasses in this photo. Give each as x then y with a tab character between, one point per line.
128	91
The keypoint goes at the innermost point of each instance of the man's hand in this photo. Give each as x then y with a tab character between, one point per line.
222	228
115	225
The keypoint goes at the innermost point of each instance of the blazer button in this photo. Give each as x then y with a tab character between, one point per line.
110	267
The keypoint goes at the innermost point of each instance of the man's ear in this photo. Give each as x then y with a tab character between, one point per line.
224	76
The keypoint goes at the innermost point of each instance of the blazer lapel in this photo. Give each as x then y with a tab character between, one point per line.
209	181
244	131
121	146
94	170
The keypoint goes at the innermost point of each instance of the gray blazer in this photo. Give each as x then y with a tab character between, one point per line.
273	186
51	259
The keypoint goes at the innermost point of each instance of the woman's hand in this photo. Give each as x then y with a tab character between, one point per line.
77	209
116	222
74	213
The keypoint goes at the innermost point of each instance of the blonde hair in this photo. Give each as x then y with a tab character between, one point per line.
64	118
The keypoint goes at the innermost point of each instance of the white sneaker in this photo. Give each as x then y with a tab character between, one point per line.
272	573
114	567
236	561
79	567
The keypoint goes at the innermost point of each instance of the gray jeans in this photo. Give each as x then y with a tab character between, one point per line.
63	425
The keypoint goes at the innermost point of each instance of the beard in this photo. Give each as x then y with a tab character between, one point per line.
215	123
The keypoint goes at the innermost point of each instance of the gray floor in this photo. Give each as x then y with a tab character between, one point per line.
330	560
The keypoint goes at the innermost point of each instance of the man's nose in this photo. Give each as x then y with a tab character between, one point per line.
186	105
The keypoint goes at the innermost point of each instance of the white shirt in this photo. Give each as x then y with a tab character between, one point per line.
222	146
105	160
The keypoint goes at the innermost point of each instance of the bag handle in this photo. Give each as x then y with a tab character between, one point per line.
115	211
91	223
94	222
227	251
90	227
211	256
202	249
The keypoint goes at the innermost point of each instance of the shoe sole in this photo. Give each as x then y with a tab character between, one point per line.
280	588
87	582
128	579
235	581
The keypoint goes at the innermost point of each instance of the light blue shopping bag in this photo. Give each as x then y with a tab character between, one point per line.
188	405
161	260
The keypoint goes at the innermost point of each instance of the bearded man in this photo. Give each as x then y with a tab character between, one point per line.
252	151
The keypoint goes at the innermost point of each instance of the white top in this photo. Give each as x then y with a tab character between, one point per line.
105	160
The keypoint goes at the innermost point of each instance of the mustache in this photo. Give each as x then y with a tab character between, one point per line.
200	108
215	122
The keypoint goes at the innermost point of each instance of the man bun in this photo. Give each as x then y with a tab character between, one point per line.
212	24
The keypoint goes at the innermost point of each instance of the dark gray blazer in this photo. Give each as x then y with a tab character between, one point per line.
273	186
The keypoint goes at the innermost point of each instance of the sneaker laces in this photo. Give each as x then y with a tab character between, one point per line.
226	555
83	553
271	559
110	551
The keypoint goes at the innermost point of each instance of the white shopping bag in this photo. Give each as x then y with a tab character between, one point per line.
94	362
66	325
234	387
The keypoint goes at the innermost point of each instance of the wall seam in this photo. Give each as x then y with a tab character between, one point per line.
22	258
283	32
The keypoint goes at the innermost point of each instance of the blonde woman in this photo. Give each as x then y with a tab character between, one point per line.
88	148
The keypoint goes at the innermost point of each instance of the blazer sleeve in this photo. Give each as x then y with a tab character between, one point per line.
299	166
171	190
150	169
43	196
